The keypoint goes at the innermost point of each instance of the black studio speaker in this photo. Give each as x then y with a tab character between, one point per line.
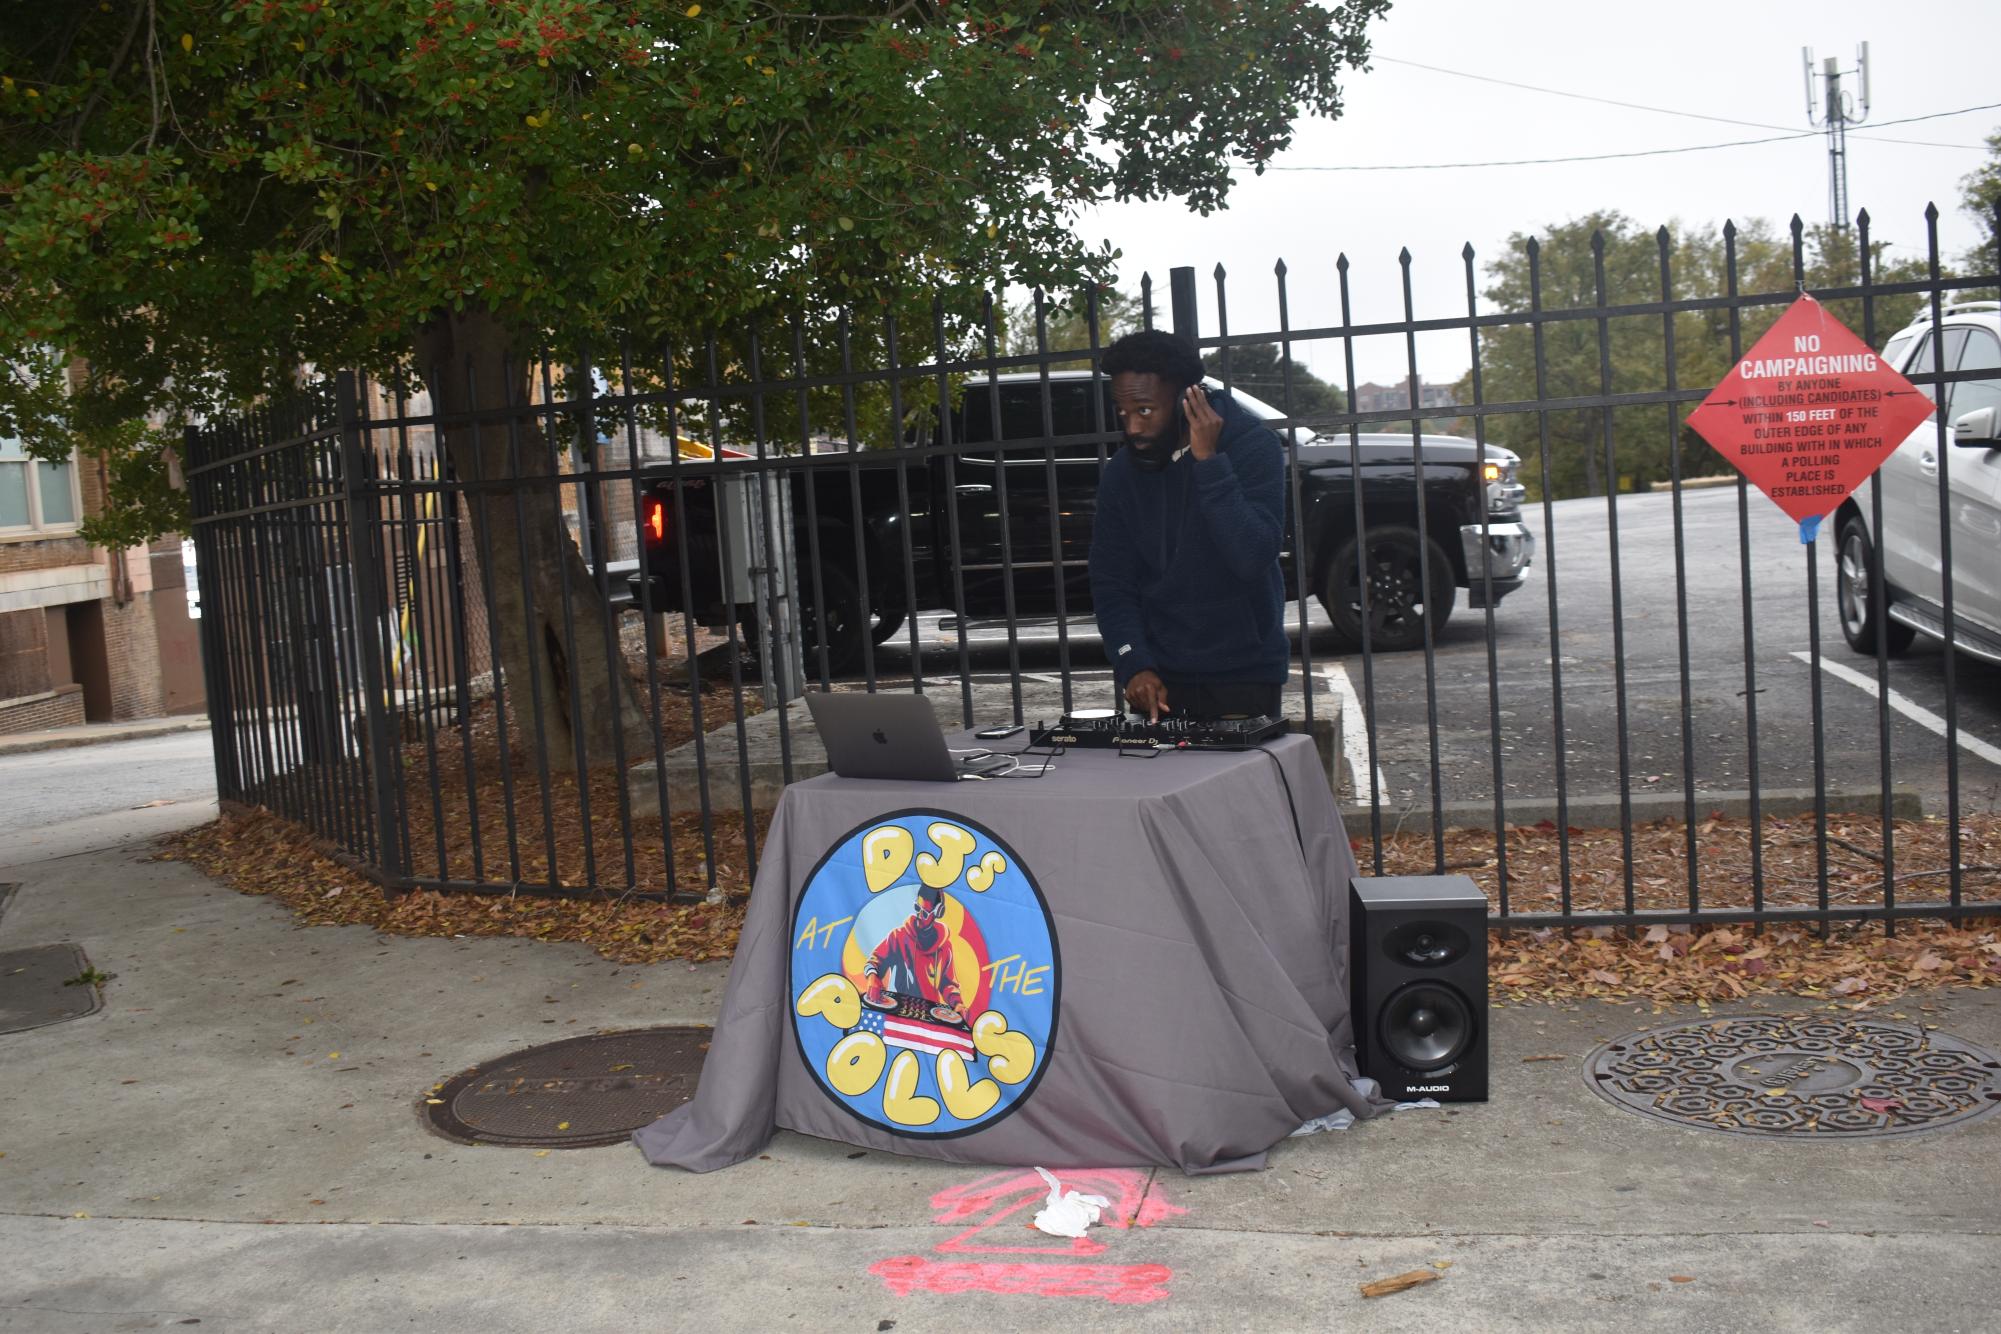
1418	964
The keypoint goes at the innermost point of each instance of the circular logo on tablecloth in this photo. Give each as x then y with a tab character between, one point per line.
924	976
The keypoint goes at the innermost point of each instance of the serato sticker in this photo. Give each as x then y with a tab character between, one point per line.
924	976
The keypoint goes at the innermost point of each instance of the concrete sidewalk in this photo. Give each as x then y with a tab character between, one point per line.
90	734
234	1139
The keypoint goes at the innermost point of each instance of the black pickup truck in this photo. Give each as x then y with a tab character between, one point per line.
1017	477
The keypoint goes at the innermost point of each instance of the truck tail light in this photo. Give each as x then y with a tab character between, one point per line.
654	520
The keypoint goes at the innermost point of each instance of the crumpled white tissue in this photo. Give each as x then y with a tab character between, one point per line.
1067	1214
1342	1119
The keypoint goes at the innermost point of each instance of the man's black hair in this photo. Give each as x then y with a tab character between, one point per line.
927	892
1155	352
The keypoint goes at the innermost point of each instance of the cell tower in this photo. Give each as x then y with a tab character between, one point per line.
1840	112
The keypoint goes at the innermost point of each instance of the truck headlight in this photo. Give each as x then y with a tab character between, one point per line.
1504	492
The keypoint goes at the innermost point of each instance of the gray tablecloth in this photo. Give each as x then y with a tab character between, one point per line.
1184	997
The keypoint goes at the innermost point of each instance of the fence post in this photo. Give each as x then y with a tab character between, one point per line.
385	800
1181	293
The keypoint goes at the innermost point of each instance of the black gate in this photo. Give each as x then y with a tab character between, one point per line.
1653	721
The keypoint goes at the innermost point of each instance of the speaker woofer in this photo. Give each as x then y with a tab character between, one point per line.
1426	1026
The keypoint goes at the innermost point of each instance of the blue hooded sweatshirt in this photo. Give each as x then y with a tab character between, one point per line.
1184	560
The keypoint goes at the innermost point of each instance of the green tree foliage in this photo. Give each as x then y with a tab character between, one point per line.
203	196
1980	196
1695	262
1259	370
1066	325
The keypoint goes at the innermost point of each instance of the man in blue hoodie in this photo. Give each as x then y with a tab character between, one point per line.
1184	555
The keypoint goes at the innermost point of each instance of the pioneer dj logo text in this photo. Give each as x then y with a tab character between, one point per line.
924	976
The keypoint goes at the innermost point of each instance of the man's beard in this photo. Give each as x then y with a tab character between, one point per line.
1151	453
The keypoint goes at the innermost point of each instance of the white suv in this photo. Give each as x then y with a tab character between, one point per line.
1914	564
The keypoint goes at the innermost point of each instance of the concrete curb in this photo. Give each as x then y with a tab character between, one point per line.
27	743
1602	812
1694	483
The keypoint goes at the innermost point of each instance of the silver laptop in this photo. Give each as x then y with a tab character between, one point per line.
883	736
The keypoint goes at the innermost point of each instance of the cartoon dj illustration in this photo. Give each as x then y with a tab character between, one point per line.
920	954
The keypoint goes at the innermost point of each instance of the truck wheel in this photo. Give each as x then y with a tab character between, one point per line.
843	622
887	623
1398	602
1852	595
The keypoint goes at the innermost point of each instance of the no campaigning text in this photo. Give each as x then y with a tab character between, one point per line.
1766	368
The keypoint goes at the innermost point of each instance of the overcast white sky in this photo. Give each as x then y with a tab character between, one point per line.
1739	60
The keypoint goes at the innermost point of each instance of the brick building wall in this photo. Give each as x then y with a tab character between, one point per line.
19	556
83	627
48	586
54	708
132	646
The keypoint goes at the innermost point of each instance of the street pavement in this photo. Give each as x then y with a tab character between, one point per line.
70	800
235	1140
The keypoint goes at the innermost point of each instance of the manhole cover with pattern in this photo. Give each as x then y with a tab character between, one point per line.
575	1094
1810	1075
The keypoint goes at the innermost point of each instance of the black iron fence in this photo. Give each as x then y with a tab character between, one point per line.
528	627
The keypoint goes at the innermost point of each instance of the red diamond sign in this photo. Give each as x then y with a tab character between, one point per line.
1809	413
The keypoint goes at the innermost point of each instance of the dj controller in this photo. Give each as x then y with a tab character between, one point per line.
1096	728
899	1006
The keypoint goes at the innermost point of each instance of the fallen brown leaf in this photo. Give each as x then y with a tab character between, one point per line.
256	852
1383	1287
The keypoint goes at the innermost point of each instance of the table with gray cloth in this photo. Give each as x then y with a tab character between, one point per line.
1203	1011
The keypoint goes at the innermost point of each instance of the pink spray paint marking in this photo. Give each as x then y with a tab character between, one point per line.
992	1201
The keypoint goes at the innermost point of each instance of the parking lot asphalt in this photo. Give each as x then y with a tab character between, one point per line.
1750	717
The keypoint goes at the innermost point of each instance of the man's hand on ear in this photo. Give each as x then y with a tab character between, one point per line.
1204	426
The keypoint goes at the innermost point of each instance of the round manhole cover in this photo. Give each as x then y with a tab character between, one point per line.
573	1094
1799	1075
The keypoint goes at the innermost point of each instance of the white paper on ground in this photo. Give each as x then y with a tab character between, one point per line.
1067	1213
1344	1118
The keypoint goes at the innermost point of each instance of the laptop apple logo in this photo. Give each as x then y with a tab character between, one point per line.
880	739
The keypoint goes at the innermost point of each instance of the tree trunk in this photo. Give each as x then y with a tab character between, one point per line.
550	624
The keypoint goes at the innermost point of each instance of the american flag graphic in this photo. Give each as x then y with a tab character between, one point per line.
917	1034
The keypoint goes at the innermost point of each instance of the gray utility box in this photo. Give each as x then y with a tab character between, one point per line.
757	571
